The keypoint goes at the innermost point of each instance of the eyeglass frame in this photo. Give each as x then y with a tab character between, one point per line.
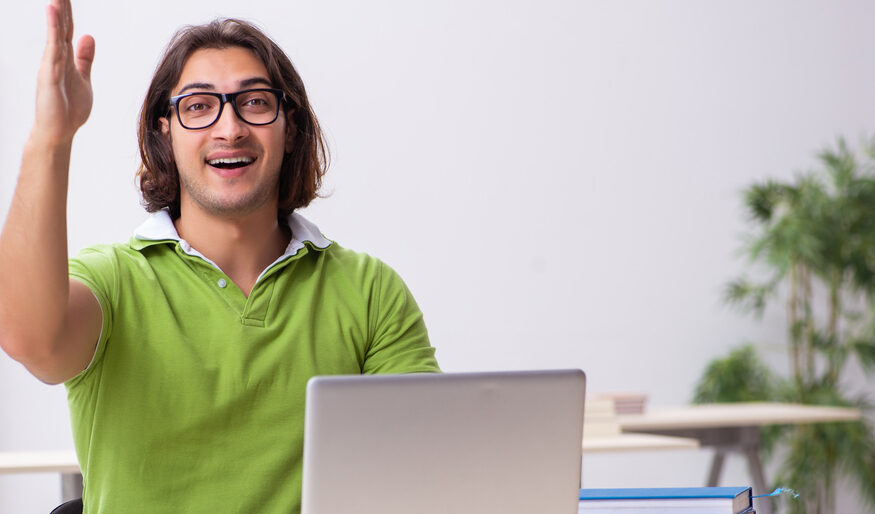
230	98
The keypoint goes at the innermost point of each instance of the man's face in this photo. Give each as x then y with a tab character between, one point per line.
230	168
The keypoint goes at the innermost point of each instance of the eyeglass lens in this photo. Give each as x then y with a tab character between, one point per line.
257	107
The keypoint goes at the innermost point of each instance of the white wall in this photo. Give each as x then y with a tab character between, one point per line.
557	180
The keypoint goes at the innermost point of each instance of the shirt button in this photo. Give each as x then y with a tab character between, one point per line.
222	283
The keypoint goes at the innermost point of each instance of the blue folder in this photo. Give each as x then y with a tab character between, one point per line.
740	498
663	492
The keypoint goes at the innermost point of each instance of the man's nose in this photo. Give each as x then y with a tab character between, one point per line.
229	126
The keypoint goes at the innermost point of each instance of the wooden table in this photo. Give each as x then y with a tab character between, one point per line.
67	465
731	427
64	463
727	427
637	442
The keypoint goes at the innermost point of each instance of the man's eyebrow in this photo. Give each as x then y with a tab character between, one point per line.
196	85
204	86
255	80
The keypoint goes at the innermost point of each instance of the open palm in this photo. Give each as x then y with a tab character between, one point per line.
64	95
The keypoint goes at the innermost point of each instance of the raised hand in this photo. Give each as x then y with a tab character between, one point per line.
49	322
64	95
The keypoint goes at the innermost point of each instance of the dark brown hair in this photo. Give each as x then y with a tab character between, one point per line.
302	168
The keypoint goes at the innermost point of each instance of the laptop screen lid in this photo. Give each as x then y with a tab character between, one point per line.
498	442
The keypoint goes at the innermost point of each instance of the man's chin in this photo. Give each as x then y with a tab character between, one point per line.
224	199
231	207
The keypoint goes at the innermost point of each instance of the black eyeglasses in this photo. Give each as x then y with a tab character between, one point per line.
254	106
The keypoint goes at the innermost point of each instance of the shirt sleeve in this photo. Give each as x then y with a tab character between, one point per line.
399	342
96	268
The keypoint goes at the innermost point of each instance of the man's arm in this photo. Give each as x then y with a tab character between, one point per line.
399	341
48	322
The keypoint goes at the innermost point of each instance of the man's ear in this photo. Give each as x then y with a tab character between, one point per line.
165	125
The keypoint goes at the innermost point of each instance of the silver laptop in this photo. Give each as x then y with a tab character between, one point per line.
466	443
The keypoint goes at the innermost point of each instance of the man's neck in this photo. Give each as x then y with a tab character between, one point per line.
241	246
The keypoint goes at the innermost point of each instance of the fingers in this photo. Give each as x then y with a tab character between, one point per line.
57	32
55	48
58	21
59	48
85	56
68	17
53	26
59	37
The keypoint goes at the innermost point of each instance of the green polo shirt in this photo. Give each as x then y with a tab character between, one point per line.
194	401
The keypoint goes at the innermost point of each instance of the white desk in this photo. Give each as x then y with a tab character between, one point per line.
637	442
67	465
64	463
732	427
723	415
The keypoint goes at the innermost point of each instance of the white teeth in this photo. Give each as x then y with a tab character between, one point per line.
230	160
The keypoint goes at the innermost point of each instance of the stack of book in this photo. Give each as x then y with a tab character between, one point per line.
667	500
599	419
626	403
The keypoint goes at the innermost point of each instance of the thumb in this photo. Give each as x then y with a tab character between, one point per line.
85	56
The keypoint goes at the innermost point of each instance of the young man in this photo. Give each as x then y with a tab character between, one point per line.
186	350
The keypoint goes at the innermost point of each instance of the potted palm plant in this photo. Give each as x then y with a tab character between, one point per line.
813	241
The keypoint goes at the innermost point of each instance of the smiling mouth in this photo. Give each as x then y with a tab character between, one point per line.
230	163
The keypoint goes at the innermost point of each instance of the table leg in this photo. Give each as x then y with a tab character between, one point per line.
744	440
759	480
716	467
71	486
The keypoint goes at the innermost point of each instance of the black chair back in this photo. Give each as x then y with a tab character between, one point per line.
70	507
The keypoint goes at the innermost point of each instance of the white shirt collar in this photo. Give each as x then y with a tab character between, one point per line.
159	227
